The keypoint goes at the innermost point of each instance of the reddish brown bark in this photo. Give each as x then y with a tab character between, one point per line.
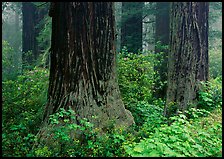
82	71
188	56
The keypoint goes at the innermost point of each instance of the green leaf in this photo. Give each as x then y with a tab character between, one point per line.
154	153
138	148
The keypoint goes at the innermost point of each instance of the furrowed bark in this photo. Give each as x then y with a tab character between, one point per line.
188	56
82	71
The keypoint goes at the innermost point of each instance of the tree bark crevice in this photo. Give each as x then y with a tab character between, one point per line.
82	74
188	55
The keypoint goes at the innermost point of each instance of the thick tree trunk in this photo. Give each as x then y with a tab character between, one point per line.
162	36
188	56
131	26
82	71
118	14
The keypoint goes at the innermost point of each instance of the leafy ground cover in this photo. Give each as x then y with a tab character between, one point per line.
196	133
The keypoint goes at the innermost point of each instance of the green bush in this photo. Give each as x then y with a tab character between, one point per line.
23	103
17	141
145	113
136	79
153	121
210	95
10	67
195	133
64	138
136	76
215	63
183	138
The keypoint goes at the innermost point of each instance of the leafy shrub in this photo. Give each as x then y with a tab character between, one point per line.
136	76
9	67
64	138
153	121
145	113
23	102
17	141
215	63
182	138
194	113
210	95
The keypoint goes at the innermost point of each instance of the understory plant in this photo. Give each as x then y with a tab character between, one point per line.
195	133
23	100
64	138
210	95
137	78
136	75
198	137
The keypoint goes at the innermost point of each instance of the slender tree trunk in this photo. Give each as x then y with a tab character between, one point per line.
162	36
28	36
131	27
40	15
17	44
17	29
31	18
82	71
188	56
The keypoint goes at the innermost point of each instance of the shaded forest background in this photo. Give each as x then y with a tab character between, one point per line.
142	44
12	32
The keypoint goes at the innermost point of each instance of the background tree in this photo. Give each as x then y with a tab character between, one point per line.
162	30
188	56
148	23
149	20
44	34
82	71
12	27
215	25
29	42
215	39
11	39
131	26
32	15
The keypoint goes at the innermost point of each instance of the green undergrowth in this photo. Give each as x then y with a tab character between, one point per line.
197	132
198	137
23	103
63	138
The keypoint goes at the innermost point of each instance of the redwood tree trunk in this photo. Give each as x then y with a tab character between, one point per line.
188	56
31	18
82	71
29	42
131	26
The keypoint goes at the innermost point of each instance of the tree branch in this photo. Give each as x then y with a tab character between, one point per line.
148	22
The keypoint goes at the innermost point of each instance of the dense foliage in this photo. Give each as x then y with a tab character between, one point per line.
10	67
185	137
137	78
195	133
215	64
23	102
